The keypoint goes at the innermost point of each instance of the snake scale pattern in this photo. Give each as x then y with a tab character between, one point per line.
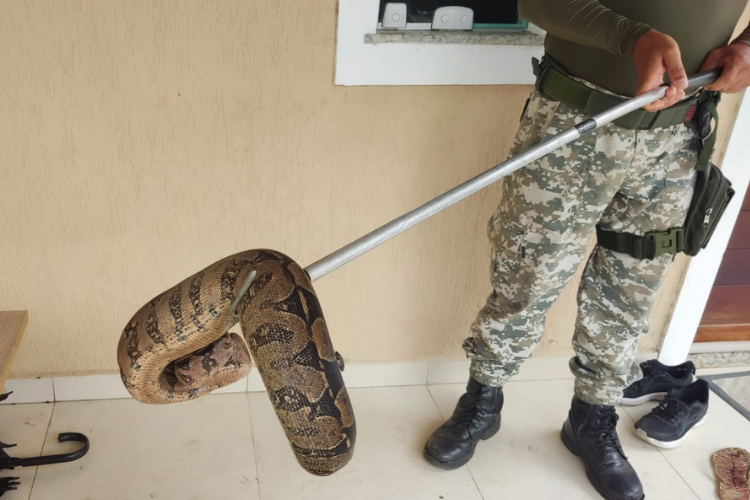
178	347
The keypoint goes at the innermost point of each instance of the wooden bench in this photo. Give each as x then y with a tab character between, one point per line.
12	326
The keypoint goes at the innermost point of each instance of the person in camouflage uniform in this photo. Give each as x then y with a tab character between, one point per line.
626	180
622	178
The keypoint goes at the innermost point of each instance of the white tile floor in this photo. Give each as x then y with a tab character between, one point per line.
230	446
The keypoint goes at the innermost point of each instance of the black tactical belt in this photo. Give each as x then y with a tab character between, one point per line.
554	83
649	246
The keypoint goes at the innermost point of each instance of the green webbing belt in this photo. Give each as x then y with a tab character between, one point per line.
554	83
648	246
656	243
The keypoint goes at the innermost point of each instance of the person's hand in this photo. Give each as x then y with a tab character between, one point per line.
653	55
735	61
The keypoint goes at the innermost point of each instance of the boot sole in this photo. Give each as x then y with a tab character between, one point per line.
576	450
654	396
668	444
491	431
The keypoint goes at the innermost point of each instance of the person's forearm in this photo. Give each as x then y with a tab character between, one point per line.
586	22
744	37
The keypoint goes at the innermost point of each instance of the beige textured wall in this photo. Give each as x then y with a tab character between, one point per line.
142	140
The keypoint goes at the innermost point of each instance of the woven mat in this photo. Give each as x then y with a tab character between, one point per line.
734	388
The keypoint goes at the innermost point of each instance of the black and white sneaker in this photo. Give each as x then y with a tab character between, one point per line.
681	411
658	379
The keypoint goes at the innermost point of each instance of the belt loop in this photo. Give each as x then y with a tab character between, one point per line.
645	119
540	68
636	248
535	66
653	119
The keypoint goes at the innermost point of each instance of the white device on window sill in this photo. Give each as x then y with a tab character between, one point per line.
394	15
453	18
445	18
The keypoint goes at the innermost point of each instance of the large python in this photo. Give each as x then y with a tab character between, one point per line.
178	347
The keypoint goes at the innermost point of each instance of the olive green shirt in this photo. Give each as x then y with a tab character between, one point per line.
594	40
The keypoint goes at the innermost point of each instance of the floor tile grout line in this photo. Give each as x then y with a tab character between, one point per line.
661	452
471	474
435	403
252	438
41	452
697	496
473	479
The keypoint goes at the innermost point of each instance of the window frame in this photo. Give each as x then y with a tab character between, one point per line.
359	62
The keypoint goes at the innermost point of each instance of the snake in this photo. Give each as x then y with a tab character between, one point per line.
179	347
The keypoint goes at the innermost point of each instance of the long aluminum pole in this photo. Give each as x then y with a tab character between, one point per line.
399	225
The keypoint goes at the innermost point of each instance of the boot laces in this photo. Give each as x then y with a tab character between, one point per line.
607	438
468	410
670	409
648	368
467	417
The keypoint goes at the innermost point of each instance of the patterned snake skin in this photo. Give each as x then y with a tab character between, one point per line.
177	347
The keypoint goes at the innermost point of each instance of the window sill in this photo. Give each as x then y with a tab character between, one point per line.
366	56
520	37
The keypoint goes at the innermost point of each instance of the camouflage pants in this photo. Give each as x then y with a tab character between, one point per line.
629	181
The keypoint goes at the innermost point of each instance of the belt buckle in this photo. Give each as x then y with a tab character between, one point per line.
666	241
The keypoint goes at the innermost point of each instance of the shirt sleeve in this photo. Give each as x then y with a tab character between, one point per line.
585	22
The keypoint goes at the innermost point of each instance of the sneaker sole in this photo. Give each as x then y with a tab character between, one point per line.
455	465
669	444
575	450
639	401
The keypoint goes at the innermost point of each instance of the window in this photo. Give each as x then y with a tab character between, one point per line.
487	14
491	46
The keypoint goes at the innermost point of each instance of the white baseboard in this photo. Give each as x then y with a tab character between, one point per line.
88	387
386	374
707	347
368	375
30	390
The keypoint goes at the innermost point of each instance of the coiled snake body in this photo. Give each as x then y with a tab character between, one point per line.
177	347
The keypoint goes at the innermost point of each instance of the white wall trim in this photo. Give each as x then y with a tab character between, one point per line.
93	387
360	63
711	347
703	268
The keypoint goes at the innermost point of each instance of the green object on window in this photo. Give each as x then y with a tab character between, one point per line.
522	24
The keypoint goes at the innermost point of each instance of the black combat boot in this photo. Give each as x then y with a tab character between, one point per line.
477	416
590	433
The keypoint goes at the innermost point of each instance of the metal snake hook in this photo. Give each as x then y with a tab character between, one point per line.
9	462
245	287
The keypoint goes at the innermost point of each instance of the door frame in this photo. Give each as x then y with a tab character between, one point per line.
702	269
